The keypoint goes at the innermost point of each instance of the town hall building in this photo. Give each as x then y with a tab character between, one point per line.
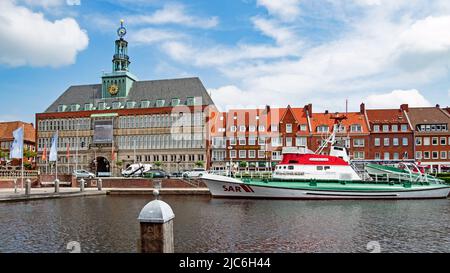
105	127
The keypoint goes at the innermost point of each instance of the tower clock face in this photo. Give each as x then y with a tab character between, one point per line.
113	90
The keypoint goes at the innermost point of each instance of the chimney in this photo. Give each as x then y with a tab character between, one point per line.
326	112
438	106
308	109
404	107
267	108
362	108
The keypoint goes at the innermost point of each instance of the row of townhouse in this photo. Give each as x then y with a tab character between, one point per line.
254	138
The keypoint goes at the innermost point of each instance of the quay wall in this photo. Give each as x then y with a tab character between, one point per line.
139	183
9	183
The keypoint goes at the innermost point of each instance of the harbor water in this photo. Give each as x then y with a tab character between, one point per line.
203	224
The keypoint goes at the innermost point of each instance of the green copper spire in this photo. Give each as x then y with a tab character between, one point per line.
119	82
121	61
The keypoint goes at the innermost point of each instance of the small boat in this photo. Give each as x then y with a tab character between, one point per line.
303	174
403	171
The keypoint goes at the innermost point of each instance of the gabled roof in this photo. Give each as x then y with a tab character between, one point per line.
353	118
387	116
7	129
428	115
141	90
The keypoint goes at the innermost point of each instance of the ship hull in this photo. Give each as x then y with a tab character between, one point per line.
227	187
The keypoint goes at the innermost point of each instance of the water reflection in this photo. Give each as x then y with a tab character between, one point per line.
202	224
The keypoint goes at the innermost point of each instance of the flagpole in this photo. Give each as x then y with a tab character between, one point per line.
76	148
56	164
23	144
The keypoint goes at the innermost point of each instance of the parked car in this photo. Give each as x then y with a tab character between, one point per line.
156	174
195	173
137	169
176	174
83	174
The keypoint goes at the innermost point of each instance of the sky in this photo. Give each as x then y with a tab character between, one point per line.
248	53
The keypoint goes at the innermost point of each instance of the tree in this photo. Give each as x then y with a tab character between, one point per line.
200	164
243	164
158	164
28	153
119	163
4	154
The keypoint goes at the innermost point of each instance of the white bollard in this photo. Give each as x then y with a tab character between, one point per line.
156	221
82	184
28	187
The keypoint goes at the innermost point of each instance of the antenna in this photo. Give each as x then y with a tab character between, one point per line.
346	106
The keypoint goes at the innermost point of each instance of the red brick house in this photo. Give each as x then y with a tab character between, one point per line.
391	134
432	137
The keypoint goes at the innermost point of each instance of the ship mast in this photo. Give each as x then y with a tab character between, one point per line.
338	118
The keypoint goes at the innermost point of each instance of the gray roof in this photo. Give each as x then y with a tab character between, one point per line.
141	91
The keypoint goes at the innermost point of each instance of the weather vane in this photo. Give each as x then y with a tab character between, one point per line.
122	31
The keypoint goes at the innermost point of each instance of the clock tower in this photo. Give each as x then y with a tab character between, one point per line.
118	83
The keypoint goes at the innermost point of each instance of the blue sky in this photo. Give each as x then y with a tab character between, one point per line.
248	53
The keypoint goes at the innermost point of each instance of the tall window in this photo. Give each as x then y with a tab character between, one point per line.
276	141
261	128
242	141
358	142
301	141
190	101
145	104
303	127
385	128
251	140
404	128
386	141
274	128
395	141
232	153
289	142
175	102
242	128
242	154
377	142
418	141
376	128
394	128
288	128
405	141
251	154
232	141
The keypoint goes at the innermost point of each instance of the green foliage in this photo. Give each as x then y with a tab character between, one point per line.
29	153
158	164
243	164
119	163
200	164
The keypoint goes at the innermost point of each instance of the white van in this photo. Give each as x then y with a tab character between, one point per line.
137	169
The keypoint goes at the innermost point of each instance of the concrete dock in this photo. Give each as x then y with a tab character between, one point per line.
8	195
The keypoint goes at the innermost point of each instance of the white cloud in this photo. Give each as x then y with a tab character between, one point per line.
286	10
154	35
28	38
173	14
73	2
397	97
42	3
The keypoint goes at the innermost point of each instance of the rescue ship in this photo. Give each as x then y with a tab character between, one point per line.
303	174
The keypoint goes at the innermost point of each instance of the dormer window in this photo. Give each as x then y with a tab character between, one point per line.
323	129
88	106
131	104
190	101
145	104
356	128
116	105
62	108
101	105
160	103
74	107
175	102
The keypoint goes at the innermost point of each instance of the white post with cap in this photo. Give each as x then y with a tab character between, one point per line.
156	221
